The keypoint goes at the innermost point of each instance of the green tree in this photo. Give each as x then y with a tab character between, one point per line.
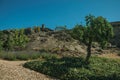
78	32
20	39
97	29
9	43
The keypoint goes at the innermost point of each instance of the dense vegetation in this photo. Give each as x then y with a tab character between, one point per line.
97	29
74	68
13	39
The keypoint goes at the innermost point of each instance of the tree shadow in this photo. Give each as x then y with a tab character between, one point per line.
70	68
69	62
59	67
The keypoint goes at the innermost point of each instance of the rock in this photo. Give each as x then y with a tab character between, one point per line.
62	36
36	49
38	38
43	40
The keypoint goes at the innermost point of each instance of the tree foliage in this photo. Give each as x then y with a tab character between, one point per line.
97	29
9	43
10	39
78	32
20	39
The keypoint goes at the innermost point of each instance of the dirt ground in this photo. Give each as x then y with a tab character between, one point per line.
13	70
111	55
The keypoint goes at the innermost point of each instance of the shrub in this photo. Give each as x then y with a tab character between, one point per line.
72	68
26	56
48	56
8	56
22	56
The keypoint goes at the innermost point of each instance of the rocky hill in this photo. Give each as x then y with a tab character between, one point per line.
56	42
59	41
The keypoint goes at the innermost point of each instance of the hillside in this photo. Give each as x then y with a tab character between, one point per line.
56	53
50	41
55	42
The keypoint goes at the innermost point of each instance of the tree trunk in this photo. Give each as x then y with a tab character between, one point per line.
88	51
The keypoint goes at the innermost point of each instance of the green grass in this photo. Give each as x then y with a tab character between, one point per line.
74	68
26	56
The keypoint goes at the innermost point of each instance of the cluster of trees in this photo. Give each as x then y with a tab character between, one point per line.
10	40
97	29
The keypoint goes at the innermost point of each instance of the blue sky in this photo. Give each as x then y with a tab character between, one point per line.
28	13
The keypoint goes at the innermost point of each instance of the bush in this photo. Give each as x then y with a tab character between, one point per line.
8	56
72	68
26	56
22	56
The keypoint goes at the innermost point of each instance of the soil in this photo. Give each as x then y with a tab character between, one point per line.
110	55
13	70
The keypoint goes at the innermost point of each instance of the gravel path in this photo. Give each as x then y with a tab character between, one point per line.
13	70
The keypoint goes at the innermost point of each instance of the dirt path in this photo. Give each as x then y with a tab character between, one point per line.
13	70
110	55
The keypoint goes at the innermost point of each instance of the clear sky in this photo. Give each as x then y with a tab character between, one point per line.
28	13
